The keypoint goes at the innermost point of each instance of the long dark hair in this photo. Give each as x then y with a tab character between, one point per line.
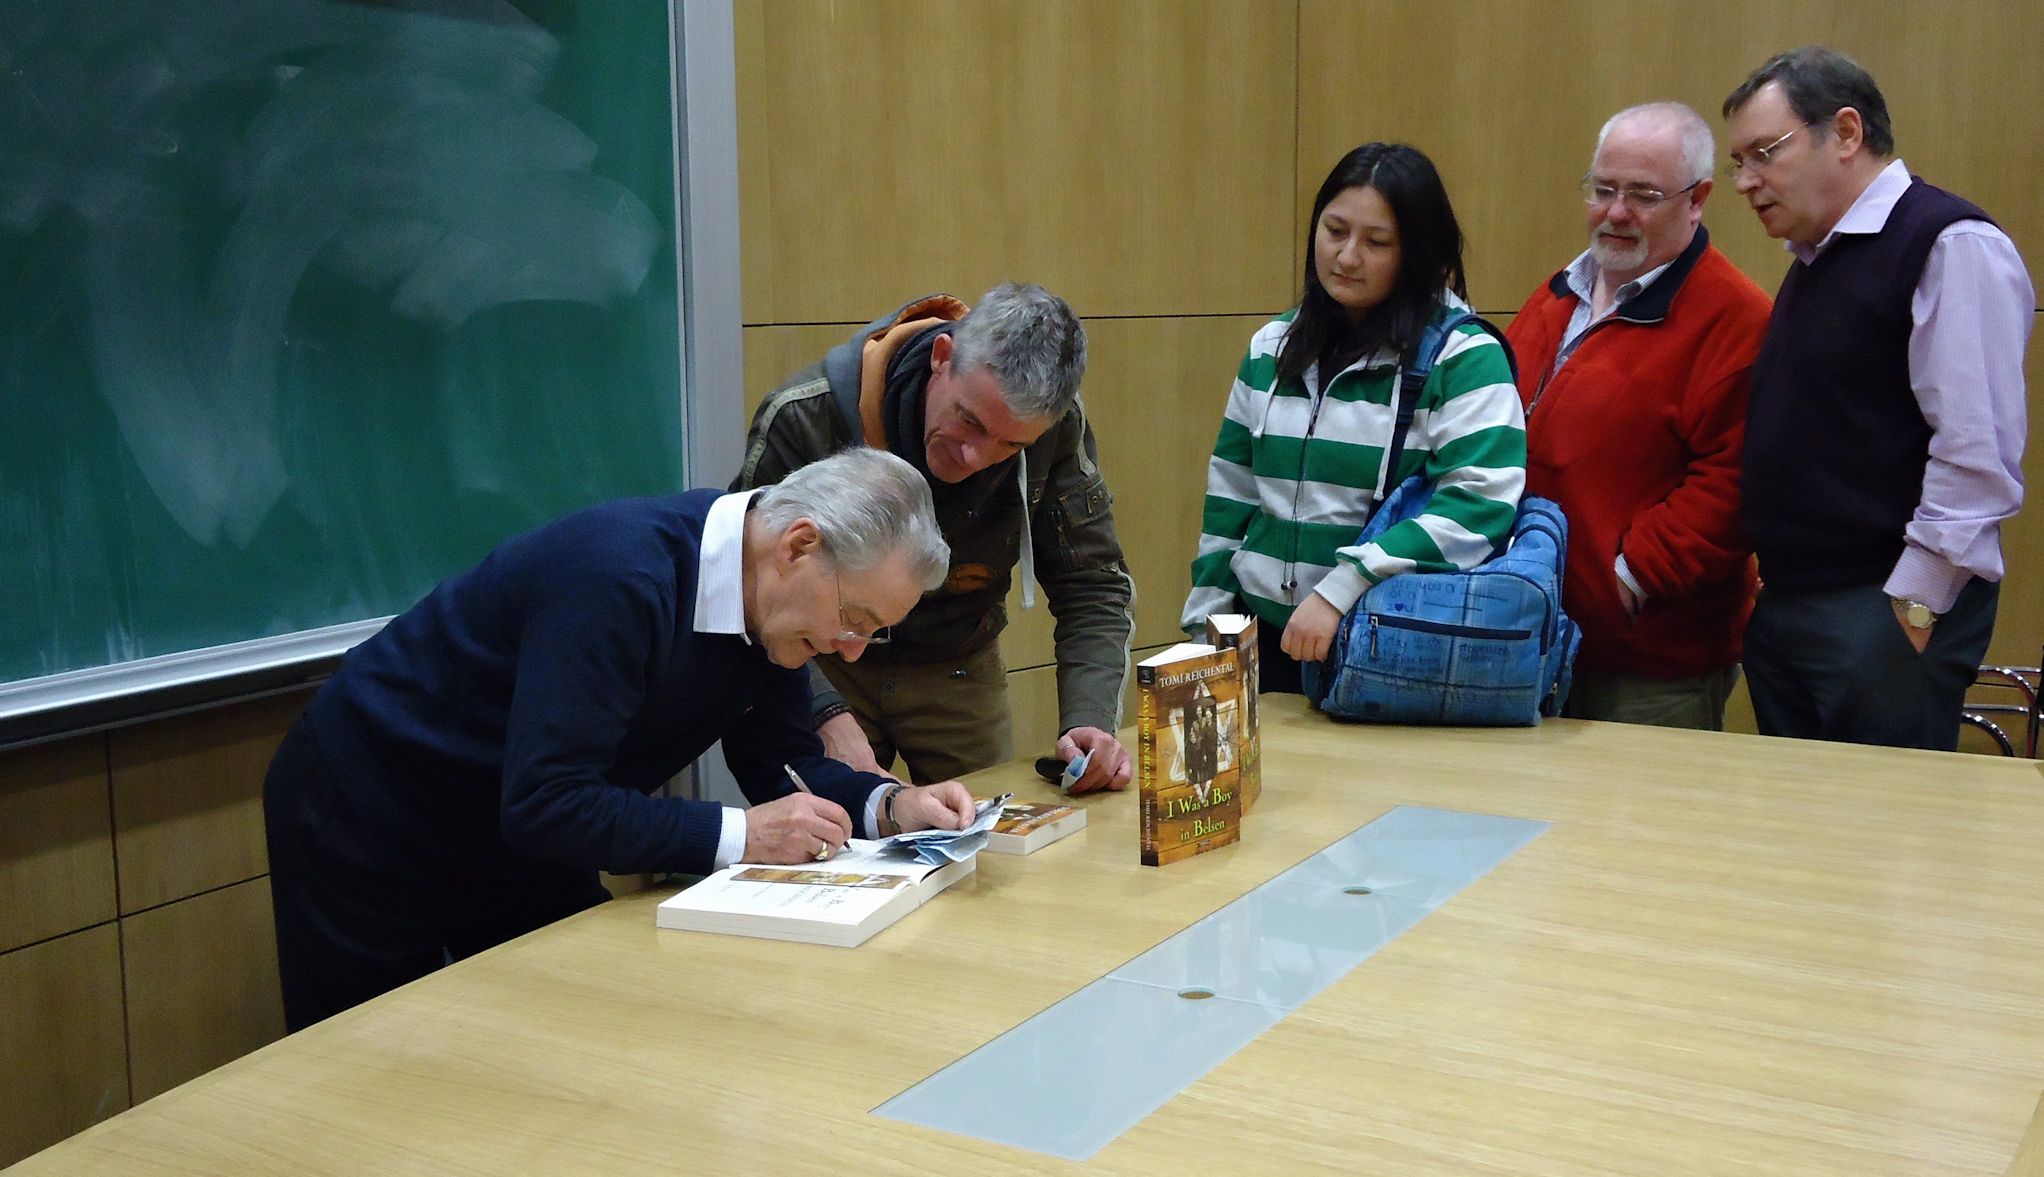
1430	249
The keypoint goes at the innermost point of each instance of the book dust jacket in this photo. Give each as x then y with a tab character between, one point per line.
1190	720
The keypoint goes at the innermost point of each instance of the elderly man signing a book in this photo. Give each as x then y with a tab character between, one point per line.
471	768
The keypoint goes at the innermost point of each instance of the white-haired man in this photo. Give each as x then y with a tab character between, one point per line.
468	771
1633	367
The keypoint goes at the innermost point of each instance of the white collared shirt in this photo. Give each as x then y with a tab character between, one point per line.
720	567
720	608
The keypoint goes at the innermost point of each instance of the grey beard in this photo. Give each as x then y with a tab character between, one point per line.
1610	257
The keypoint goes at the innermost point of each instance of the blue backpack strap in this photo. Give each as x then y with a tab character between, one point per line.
1413	381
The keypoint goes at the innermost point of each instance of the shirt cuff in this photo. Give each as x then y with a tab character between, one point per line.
1624	572
873	810
1923	575
1343	587
731	843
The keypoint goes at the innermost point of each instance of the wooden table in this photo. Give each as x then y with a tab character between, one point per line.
1727	955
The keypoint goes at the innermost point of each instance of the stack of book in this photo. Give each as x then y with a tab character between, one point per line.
842	902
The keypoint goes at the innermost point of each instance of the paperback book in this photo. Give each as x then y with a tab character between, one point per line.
1237	632
1190	717
1025	829
841	902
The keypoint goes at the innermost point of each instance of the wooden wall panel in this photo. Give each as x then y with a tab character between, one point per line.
1509	109
1032	705
188	798
1507	97
1135	157
63	1061
2019	625
202	984
772	354
1032	710
56	840
1155	391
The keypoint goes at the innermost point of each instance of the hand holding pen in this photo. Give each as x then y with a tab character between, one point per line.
800	827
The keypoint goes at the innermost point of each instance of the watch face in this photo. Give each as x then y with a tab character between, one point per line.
1917	614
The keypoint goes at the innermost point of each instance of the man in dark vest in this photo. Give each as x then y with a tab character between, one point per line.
1885	434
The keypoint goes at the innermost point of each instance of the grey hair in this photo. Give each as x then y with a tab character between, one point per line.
1699	146
1818	83
1033	343
867	504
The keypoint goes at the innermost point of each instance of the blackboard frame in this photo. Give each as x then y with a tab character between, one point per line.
705	121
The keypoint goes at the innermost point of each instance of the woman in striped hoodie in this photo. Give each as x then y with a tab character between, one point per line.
1299	462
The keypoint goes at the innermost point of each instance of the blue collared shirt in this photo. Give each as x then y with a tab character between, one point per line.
1582	282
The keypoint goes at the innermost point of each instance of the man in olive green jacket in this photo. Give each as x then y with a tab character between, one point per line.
985	402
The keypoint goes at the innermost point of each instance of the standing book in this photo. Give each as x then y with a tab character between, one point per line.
1189	717
1025	829
842	902
1237	632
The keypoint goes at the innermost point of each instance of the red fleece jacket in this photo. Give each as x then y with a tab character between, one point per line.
1638	438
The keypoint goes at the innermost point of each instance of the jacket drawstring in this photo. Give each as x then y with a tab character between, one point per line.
1028	546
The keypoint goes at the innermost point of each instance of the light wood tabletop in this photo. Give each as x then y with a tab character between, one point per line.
1727	954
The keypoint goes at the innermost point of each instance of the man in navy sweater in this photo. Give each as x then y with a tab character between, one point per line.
1884	437
472	767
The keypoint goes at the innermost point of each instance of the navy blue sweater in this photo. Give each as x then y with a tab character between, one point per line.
537	698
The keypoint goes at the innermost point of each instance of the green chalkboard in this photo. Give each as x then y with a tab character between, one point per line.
306	304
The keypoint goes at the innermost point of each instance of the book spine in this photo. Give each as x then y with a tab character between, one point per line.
1146	763
1250	745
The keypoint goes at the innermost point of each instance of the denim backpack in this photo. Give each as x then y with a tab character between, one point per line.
1490	646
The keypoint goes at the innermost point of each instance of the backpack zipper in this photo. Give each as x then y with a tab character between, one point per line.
1549	628
1445	628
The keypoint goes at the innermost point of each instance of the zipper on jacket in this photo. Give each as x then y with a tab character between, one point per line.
1540	390
1291	580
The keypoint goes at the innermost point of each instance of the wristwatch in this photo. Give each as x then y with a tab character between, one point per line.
1914	614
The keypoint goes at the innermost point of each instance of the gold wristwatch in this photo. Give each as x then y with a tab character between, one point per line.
1914	614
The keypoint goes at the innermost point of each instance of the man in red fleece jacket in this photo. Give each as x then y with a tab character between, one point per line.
1633	367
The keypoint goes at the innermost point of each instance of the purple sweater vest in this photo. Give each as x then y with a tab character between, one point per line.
1835	443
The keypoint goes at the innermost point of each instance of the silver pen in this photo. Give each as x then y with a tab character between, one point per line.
823	851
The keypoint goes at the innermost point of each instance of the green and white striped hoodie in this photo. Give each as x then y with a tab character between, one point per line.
1296	470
